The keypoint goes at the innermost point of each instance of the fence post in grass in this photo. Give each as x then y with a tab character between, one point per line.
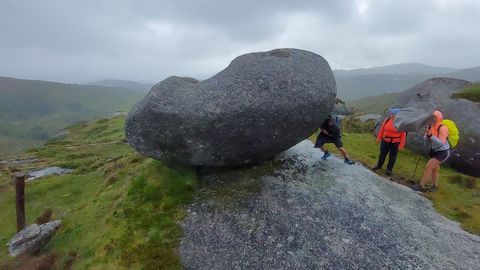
20	200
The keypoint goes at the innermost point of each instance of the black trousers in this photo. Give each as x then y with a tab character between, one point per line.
385	148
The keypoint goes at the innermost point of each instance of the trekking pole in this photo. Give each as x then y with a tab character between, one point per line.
416	166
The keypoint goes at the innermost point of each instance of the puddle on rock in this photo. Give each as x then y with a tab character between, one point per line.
34	175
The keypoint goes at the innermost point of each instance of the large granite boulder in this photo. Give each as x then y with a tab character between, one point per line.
465	113
260	105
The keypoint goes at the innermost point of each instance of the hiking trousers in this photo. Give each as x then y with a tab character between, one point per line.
392	150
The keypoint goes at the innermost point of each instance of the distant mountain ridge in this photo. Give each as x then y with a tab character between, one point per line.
359	83
144	87
406	68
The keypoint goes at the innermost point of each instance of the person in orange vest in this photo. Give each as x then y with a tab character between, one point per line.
440	151
391	141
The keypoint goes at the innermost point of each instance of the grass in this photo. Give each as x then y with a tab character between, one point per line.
471	92
119	210
458	197
375	104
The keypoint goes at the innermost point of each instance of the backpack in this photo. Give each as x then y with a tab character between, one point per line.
453	136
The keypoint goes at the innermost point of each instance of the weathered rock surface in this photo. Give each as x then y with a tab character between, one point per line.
305	213
465	113
32	238
260	105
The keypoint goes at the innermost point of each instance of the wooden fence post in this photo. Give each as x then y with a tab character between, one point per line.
20	200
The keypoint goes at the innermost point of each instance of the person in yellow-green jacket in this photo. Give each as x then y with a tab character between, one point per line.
440	151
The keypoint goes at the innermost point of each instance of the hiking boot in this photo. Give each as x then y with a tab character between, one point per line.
389	172
349	162
326	155
418	187
433	188
375	168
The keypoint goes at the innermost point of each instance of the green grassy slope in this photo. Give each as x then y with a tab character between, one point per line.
471	92
375	104
37	110
119	210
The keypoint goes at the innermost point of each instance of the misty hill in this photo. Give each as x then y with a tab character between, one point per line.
375	104
33	111
355	87
407	68
144	87
469	74
359	83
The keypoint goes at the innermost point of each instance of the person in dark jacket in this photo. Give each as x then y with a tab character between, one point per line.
330	133
391	140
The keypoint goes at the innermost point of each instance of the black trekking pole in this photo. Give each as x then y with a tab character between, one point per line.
416	166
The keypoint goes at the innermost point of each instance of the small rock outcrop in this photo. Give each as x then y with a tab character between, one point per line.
340	108
466	114
32	238
301	212
368	117
260	105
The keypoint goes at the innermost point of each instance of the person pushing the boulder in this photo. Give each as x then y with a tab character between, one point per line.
330	132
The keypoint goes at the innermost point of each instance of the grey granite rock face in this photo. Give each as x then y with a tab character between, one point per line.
260	105
306	213
465	113
32	238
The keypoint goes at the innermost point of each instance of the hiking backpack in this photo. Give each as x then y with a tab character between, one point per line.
453	136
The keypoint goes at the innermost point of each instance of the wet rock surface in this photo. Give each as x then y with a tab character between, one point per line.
36	174
300	212
260	105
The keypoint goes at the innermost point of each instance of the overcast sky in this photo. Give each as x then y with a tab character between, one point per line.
83	40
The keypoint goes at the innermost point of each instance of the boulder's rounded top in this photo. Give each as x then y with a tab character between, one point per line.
261	104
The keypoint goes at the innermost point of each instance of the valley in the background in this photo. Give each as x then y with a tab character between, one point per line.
33	111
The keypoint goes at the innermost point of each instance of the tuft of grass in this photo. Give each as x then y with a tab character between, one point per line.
350	124
471	92
465	181
152	210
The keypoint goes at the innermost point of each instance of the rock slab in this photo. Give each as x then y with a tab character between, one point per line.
32	238
260	105
306	213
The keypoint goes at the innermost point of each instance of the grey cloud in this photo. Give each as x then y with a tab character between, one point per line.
148	40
